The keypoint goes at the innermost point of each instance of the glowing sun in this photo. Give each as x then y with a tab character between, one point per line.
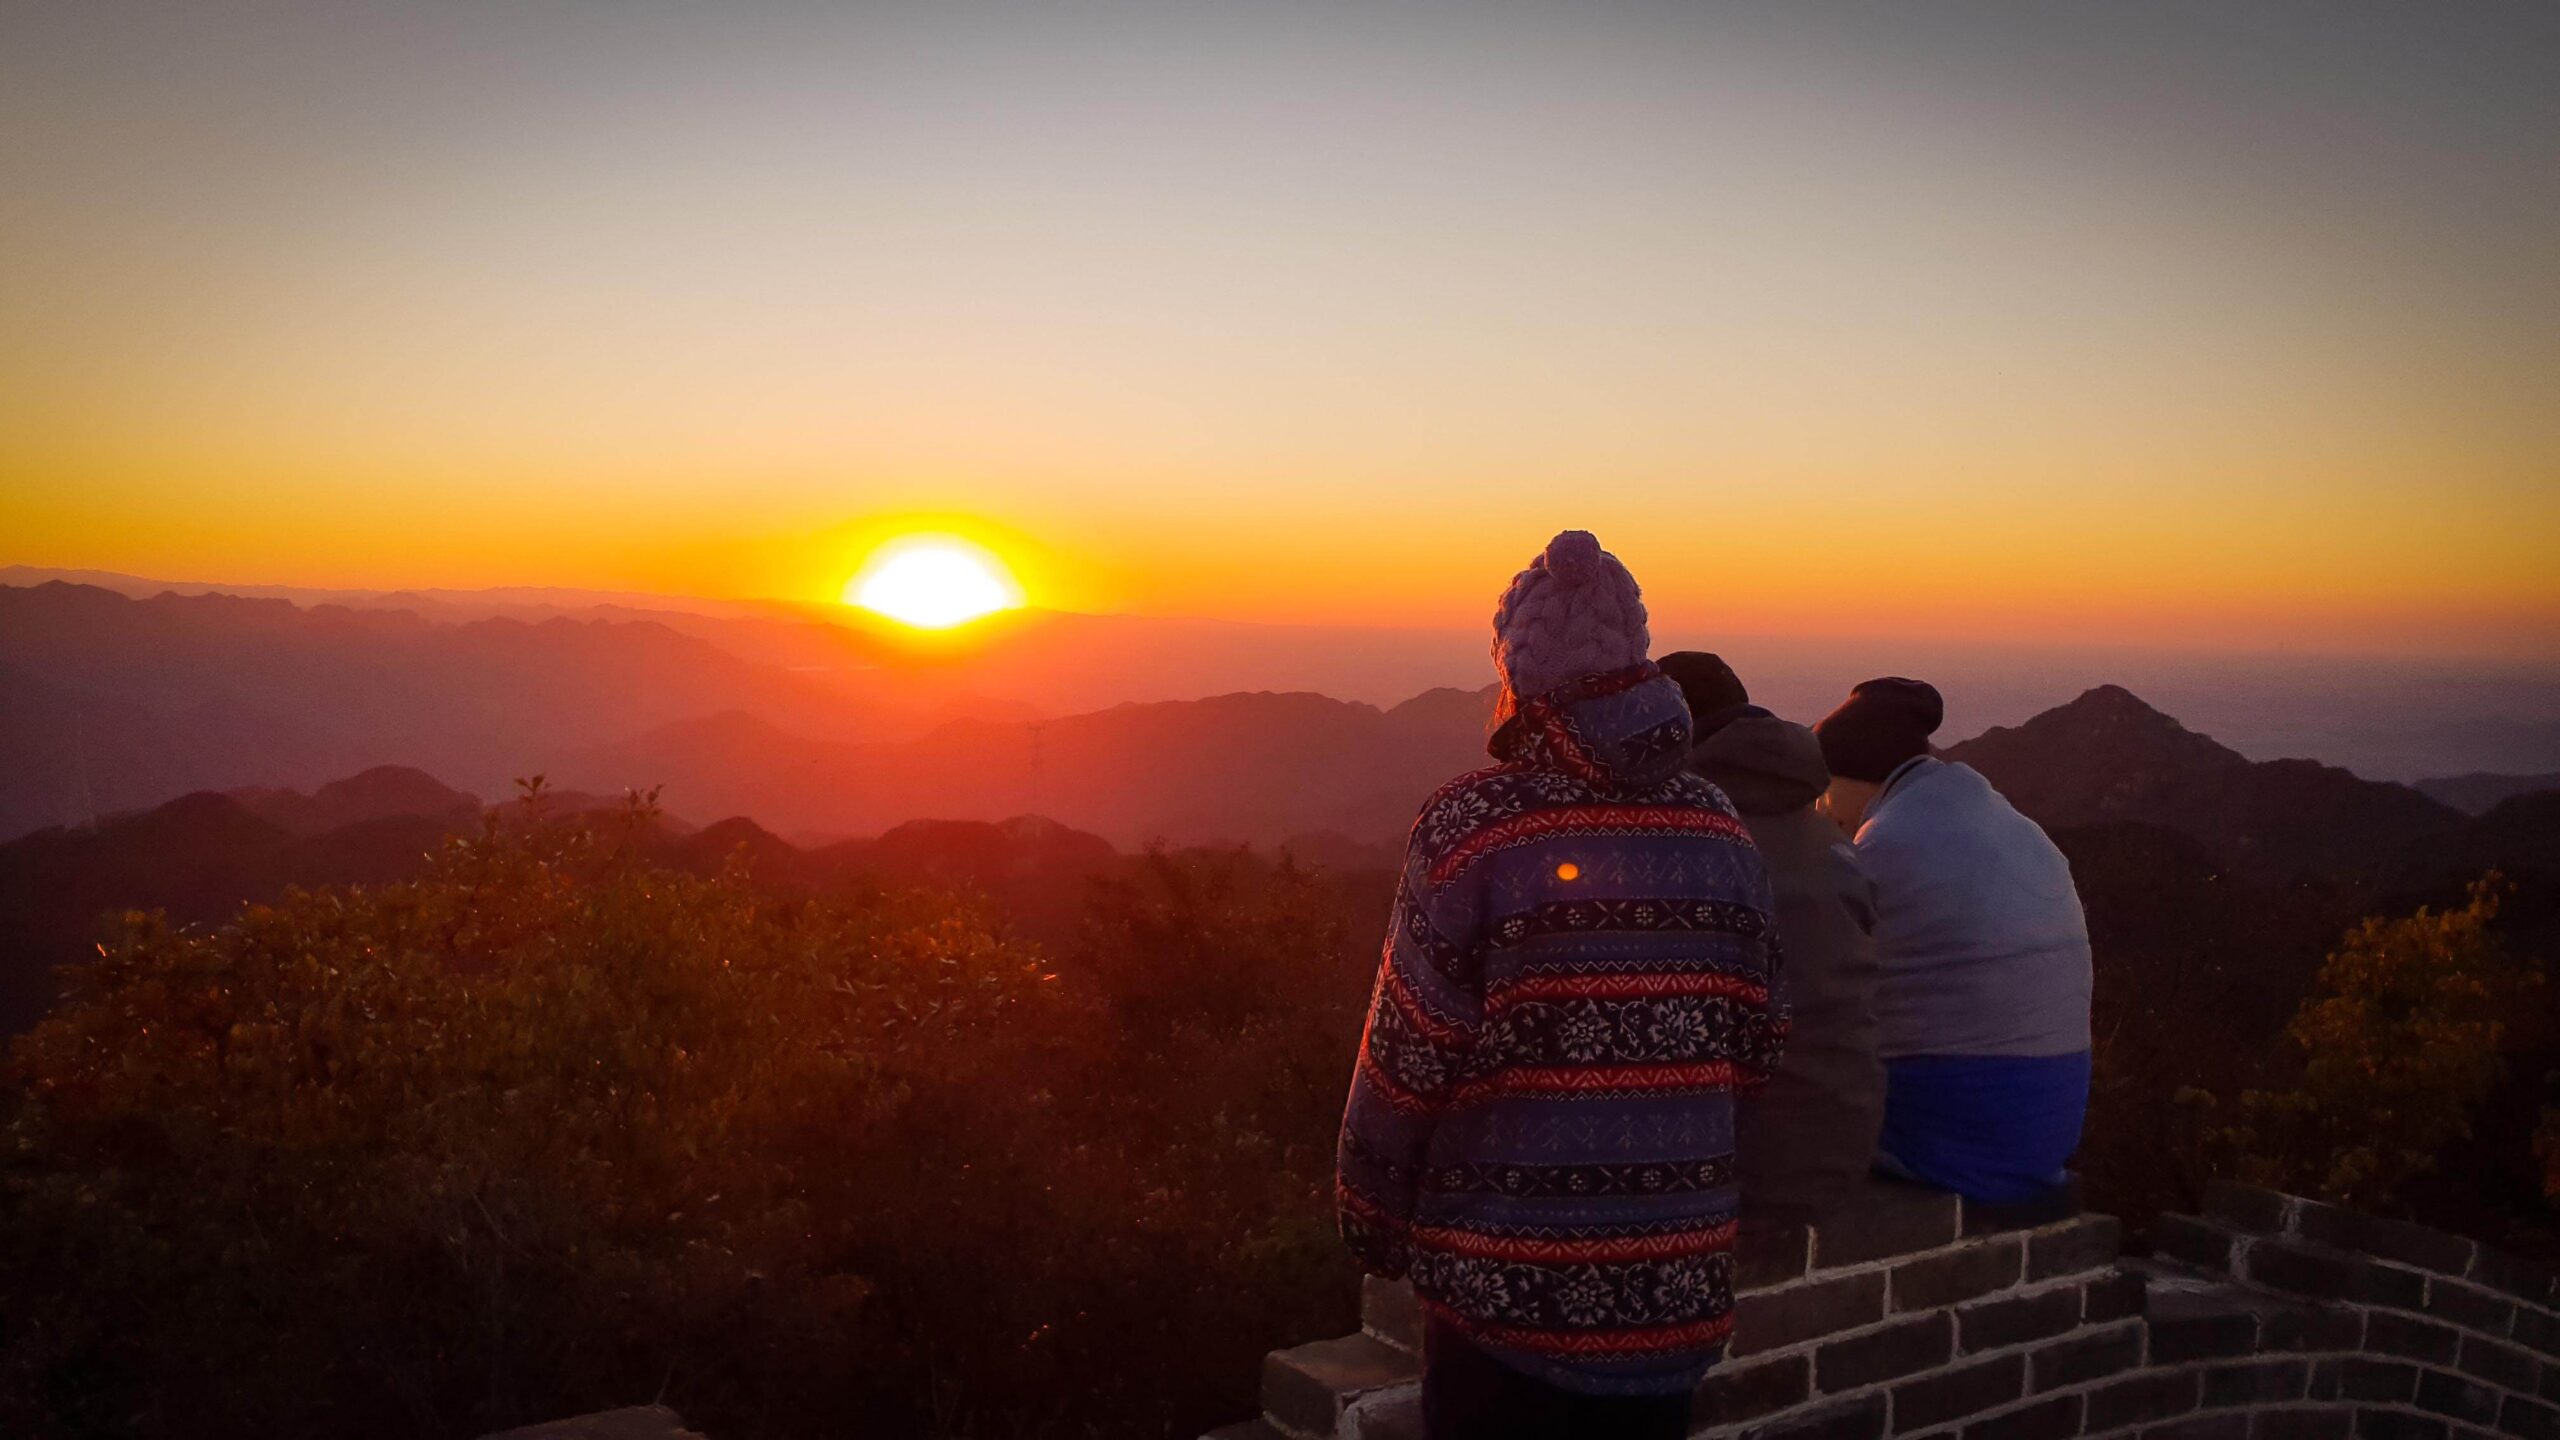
933	582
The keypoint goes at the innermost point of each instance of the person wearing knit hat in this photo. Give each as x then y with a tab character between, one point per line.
1804	1144
1575	987
1982	1010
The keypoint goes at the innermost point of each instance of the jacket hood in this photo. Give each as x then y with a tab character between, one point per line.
1626	730
1765	765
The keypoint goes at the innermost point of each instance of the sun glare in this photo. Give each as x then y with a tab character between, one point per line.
933	582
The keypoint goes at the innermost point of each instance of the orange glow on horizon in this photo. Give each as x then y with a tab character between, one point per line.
933	582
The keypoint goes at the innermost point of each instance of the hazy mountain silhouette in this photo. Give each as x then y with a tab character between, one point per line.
2479	792
2107	756
383	792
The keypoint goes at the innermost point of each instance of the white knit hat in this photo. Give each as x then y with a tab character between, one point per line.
1574	612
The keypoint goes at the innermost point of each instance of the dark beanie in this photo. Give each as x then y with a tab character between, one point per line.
1882	723
1709	685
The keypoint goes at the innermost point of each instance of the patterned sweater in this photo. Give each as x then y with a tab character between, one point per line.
1575	982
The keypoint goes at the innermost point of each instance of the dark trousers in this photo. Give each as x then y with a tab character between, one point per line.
1469	1395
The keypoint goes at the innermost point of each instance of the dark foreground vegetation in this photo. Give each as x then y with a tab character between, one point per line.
561	1124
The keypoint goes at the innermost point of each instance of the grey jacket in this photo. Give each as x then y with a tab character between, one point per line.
1978	927
1806	1140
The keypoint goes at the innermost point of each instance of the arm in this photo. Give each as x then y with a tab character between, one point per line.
1760	1027
1421	1028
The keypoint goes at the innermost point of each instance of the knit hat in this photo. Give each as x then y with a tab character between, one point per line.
1574	612
1709	685
1882	723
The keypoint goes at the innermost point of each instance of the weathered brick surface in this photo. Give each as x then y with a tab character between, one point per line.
2016	1319
2260	1212
1904	1348
2391	1381
2044	1420
1737	1393
2470	1307
1859	1418
2457	1398
2053	1207
2305	1270
2259	1382
636	1422
2135	1399
1389	1312
2529	1419
2389	1334
2508	1275
2191	1326
1307	1387
2202	1427
1883	1220
2302	1424
2196	1242
2084	1358
2374	1424
2118	1296
1775	1319
1933	1281
2391	1239
2537	1330
2499	1364
1766	1255
1934	1400
2312	1327
2091	1242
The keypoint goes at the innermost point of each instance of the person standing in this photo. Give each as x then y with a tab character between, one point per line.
1809	1139
1983	1006
1575	985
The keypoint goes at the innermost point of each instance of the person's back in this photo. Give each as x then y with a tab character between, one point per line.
1576	978
1809	1137
1982	1009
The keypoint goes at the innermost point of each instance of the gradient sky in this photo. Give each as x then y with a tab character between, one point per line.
2228	324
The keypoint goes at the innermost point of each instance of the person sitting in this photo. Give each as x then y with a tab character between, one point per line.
1807	1140
1982	1009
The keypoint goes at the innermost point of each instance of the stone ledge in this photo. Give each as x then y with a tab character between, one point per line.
636	1422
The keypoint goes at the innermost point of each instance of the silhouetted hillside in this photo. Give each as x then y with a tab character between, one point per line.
2107	756
2479	792
383	792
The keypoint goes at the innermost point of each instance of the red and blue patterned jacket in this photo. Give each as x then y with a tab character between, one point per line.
1575	983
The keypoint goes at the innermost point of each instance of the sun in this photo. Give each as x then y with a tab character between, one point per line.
933	582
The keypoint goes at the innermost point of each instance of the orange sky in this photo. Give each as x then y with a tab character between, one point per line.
2185	326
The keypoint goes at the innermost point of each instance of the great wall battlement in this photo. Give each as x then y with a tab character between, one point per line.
1909	1314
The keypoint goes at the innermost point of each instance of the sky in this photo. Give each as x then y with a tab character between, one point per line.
2168	324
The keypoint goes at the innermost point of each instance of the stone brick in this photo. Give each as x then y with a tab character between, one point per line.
1733	1394
2201	1427
634	1422
2114	1297
2312	1327
2366	1380
2391	1239
2460	1399
2537	1330
2327	1379
2332	1275
1885	1218
2508	1275
1308	1387
1934	1281
2397	1425
2261	1383
1775	1319
2500	1364
1389	1312
2389	1334
2016	1319
1933	1400
2139	1398
2196	1242
2191	1326
2092	1242
2530	1419
1888	1353
1766	1255
1859	1418
2471	1307
2301	1423
2051	1208
2051	1419
2086	1357
2247	1207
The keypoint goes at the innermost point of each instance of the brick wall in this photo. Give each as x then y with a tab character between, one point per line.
2269	1318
